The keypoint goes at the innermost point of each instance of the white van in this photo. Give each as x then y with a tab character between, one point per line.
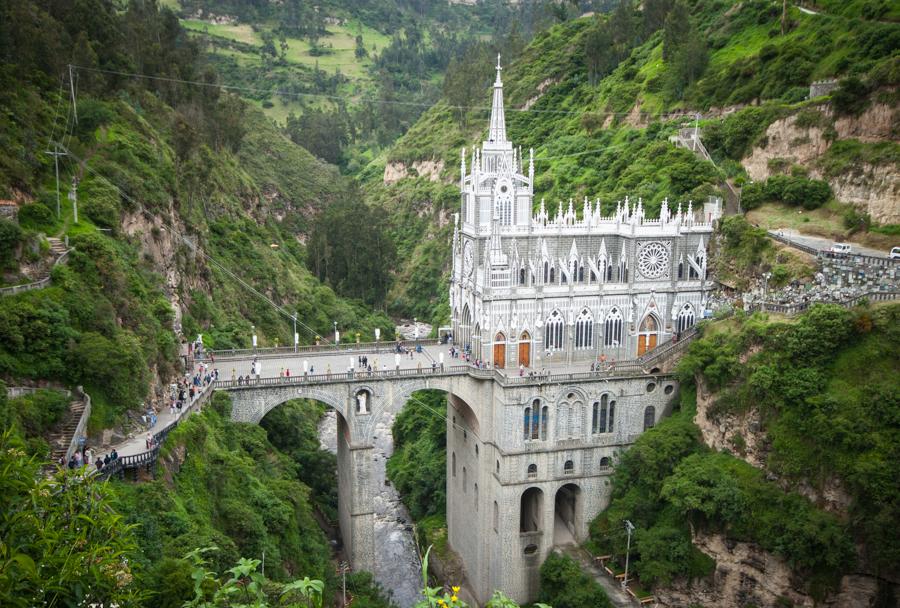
895	253
841	248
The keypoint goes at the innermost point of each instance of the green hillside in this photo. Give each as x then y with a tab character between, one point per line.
598	98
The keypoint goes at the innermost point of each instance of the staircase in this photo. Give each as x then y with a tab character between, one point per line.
57	247
61	440
689	138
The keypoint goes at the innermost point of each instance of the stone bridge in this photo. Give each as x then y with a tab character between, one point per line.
529	457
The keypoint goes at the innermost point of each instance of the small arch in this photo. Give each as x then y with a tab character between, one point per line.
531	507
498	468
685	318
604	462
496	516
567	515
569	468
453	464
612	334
363	401
651	386
476	450
649	417
476	496
532	471
465	480
670	388
531	549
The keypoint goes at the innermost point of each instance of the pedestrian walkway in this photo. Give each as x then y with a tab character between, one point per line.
617	597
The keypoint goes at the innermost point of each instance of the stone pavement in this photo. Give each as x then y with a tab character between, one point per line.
613	589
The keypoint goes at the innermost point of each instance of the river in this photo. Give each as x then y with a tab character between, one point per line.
397	565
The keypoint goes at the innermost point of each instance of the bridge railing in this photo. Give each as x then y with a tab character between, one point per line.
353	347
794	309
871	260
148	458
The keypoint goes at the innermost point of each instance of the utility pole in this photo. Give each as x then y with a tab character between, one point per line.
629	527
72	91
73	196
696	125
296	335
783	15
56	154
343	569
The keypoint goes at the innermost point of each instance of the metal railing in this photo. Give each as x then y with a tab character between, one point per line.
82	422
793	309
148	458
40	284
278	351
824	253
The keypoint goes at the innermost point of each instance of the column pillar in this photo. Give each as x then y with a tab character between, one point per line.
356	515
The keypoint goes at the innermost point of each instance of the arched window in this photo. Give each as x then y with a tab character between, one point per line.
604	462
453	463
680	270
476	496
532	471
613	328
465	481
496	516
581	274
535	424
553	275
553	332
685	318
569	468
521	276
603	415
624	273
609	273
546	272
649	417
584	330
692	272
504	209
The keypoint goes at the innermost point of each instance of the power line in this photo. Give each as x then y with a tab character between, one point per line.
333	97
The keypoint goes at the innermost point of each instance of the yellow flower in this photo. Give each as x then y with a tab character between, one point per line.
453	598
455	589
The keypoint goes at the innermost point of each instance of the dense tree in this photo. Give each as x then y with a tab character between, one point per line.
349	249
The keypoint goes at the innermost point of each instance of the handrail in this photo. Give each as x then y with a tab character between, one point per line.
39	284
824	253
272	351
82	422
793	309
147	458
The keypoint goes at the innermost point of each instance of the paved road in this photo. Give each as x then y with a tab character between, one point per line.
824	244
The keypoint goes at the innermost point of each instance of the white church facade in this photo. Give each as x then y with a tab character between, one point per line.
537	290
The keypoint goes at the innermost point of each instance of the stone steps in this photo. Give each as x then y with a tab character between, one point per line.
60	441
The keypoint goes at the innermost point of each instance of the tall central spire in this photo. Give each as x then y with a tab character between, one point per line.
497	133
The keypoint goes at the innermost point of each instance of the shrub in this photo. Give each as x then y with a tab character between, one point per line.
851	97
10	236
36	216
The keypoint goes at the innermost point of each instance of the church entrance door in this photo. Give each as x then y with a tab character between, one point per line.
648	334
500	351
525	349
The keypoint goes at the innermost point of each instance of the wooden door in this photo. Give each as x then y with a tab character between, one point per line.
499	351
642	345
525	352
500	355
652	343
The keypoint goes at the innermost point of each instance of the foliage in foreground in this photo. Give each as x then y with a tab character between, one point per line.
61	543
565	585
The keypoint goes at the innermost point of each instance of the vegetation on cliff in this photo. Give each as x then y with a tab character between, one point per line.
805	379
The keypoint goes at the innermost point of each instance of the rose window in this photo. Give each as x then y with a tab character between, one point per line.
653	260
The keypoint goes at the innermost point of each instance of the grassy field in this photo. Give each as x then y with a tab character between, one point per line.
826	221
238	33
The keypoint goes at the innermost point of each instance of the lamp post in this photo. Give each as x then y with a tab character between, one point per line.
336	336
766	277
416	329
377	336
296	335
253	331
629	527
343	569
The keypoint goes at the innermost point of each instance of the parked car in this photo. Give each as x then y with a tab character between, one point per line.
841	248
895	253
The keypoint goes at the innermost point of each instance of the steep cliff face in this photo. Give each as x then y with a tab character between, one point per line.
746	575
805	139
